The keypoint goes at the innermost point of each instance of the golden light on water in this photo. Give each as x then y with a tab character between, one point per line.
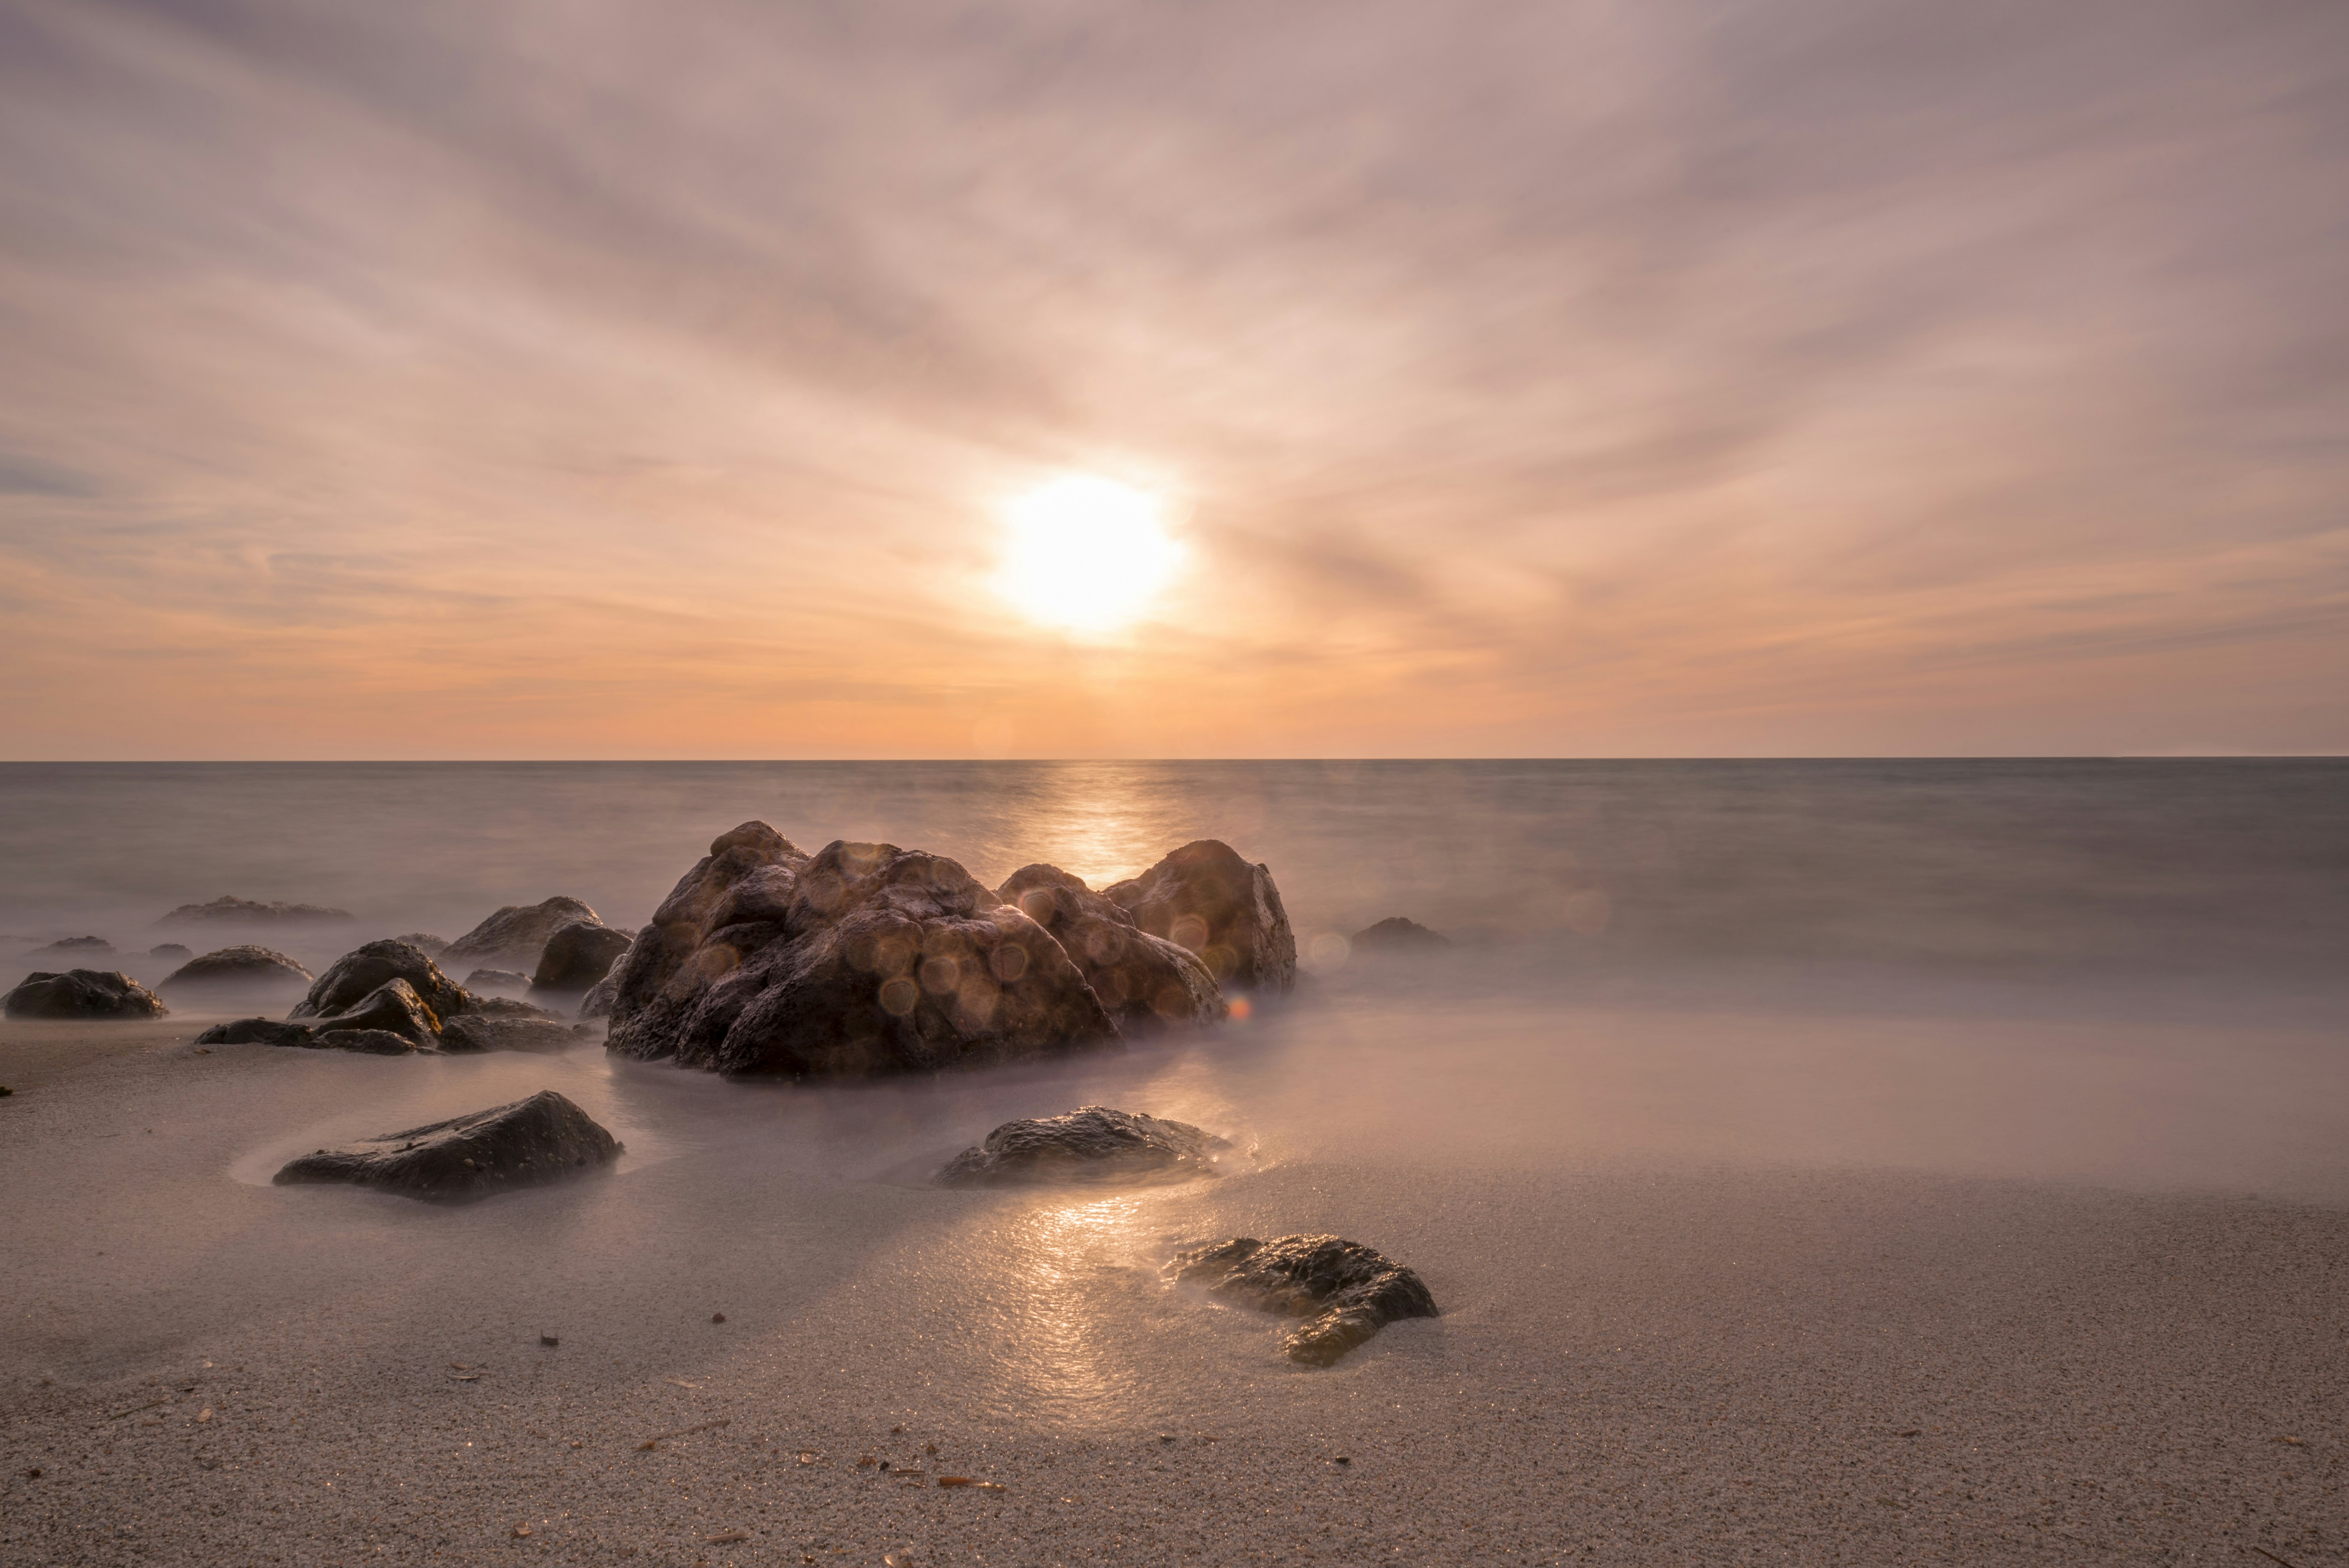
1086	553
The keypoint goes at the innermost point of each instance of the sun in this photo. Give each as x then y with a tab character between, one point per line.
1086	553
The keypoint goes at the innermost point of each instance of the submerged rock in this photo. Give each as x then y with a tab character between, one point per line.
81	994
1203	897
75	947
243	968
256	1032
369	1042
1345	1292
579	954
508	1007
178	950
227	911
497	980
515	937
861	960
424	942
350	978
1095	1144
1397	934
393	1006
528	1143
1142	980
478	1032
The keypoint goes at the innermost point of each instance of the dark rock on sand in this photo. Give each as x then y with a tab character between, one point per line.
350	978
515	937
1345	1292
1095	1144
256	1032
1142	980
75	947
81	994
393	1006
579	954
475	1032
528	1143
227	911
1396	934
178	950
1206	898
238	969
862	960
370	1042
424	942
497	980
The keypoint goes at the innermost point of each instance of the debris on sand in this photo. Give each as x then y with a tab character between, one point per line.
1344	1291
969	1480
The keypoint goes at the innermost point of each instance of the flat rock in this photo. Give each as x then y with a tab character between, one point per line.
1095	1144
1144	981
1343	1291
394	1008
497	980
1206	898
256	1032
515	937
81	994
529	1143
578	954
369	1042
350	978
479	1032
246	968
227	911
860	960
1397	934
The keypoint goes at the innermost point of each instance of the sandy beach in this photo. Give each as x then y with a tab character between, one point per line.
2069	1343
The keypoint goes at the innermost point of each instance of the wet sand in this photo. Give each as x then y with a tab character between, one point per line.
1714	1291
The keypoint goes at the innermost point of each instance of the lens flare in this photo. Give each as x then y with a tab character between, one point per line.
1086	553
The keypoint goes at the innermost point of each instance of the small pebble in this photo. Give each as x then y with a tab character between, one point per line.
549	1340
717	1317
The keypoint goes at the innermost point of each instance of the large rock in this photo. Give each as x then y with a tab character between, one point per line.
1143	980
1345	1292
81	994
861	960
477	1032
1206	898
528	1143
238	970
256	1032
515	937
1095	1144
350	978
579	954
1397	934
227	911
393	1006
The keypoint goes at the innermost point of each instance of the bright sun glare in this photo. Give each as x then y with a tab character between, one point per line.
1087	553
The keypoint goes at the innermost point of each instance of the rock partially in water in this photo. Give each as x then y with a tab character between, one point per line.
256	1032
508	1007
228	911
1203	897
1144	981
238	969
424	942
529	1143
479	1032
393	1006
81	994
487	980
368	1042
1397	934
1345	1292
1095	1144
605	993
577	955
75	947
178	950
515	937
350	978
862	960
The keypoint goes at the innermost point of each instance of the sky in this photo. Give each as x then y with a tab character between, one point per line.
586	379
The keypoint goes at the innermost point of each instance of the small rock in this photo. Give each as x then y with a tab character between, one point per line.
424	942
82	994
238	969
75	947
530	1143
367	1042
392	1007
514	937
1344	1291
1095	1144
717	1317
1397	934
578	955
257	1032
481	1032
351	978
550	1341
497	980
171	950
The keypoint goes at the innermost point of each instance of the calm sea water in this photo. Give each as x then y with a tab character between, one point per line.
2225	876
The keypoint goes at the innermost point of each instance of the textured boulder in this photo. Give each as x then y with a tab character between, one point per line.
1397	934
476	1032
256	1032
1203	897
507	1008
528	1143
1095	1144
1142	980
497	980
238	969
227	911
1344	1291
424	942
350	978
515	937
81	994
368	1042
75	947
579	954
175	950
605	993
394	1006
861	960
